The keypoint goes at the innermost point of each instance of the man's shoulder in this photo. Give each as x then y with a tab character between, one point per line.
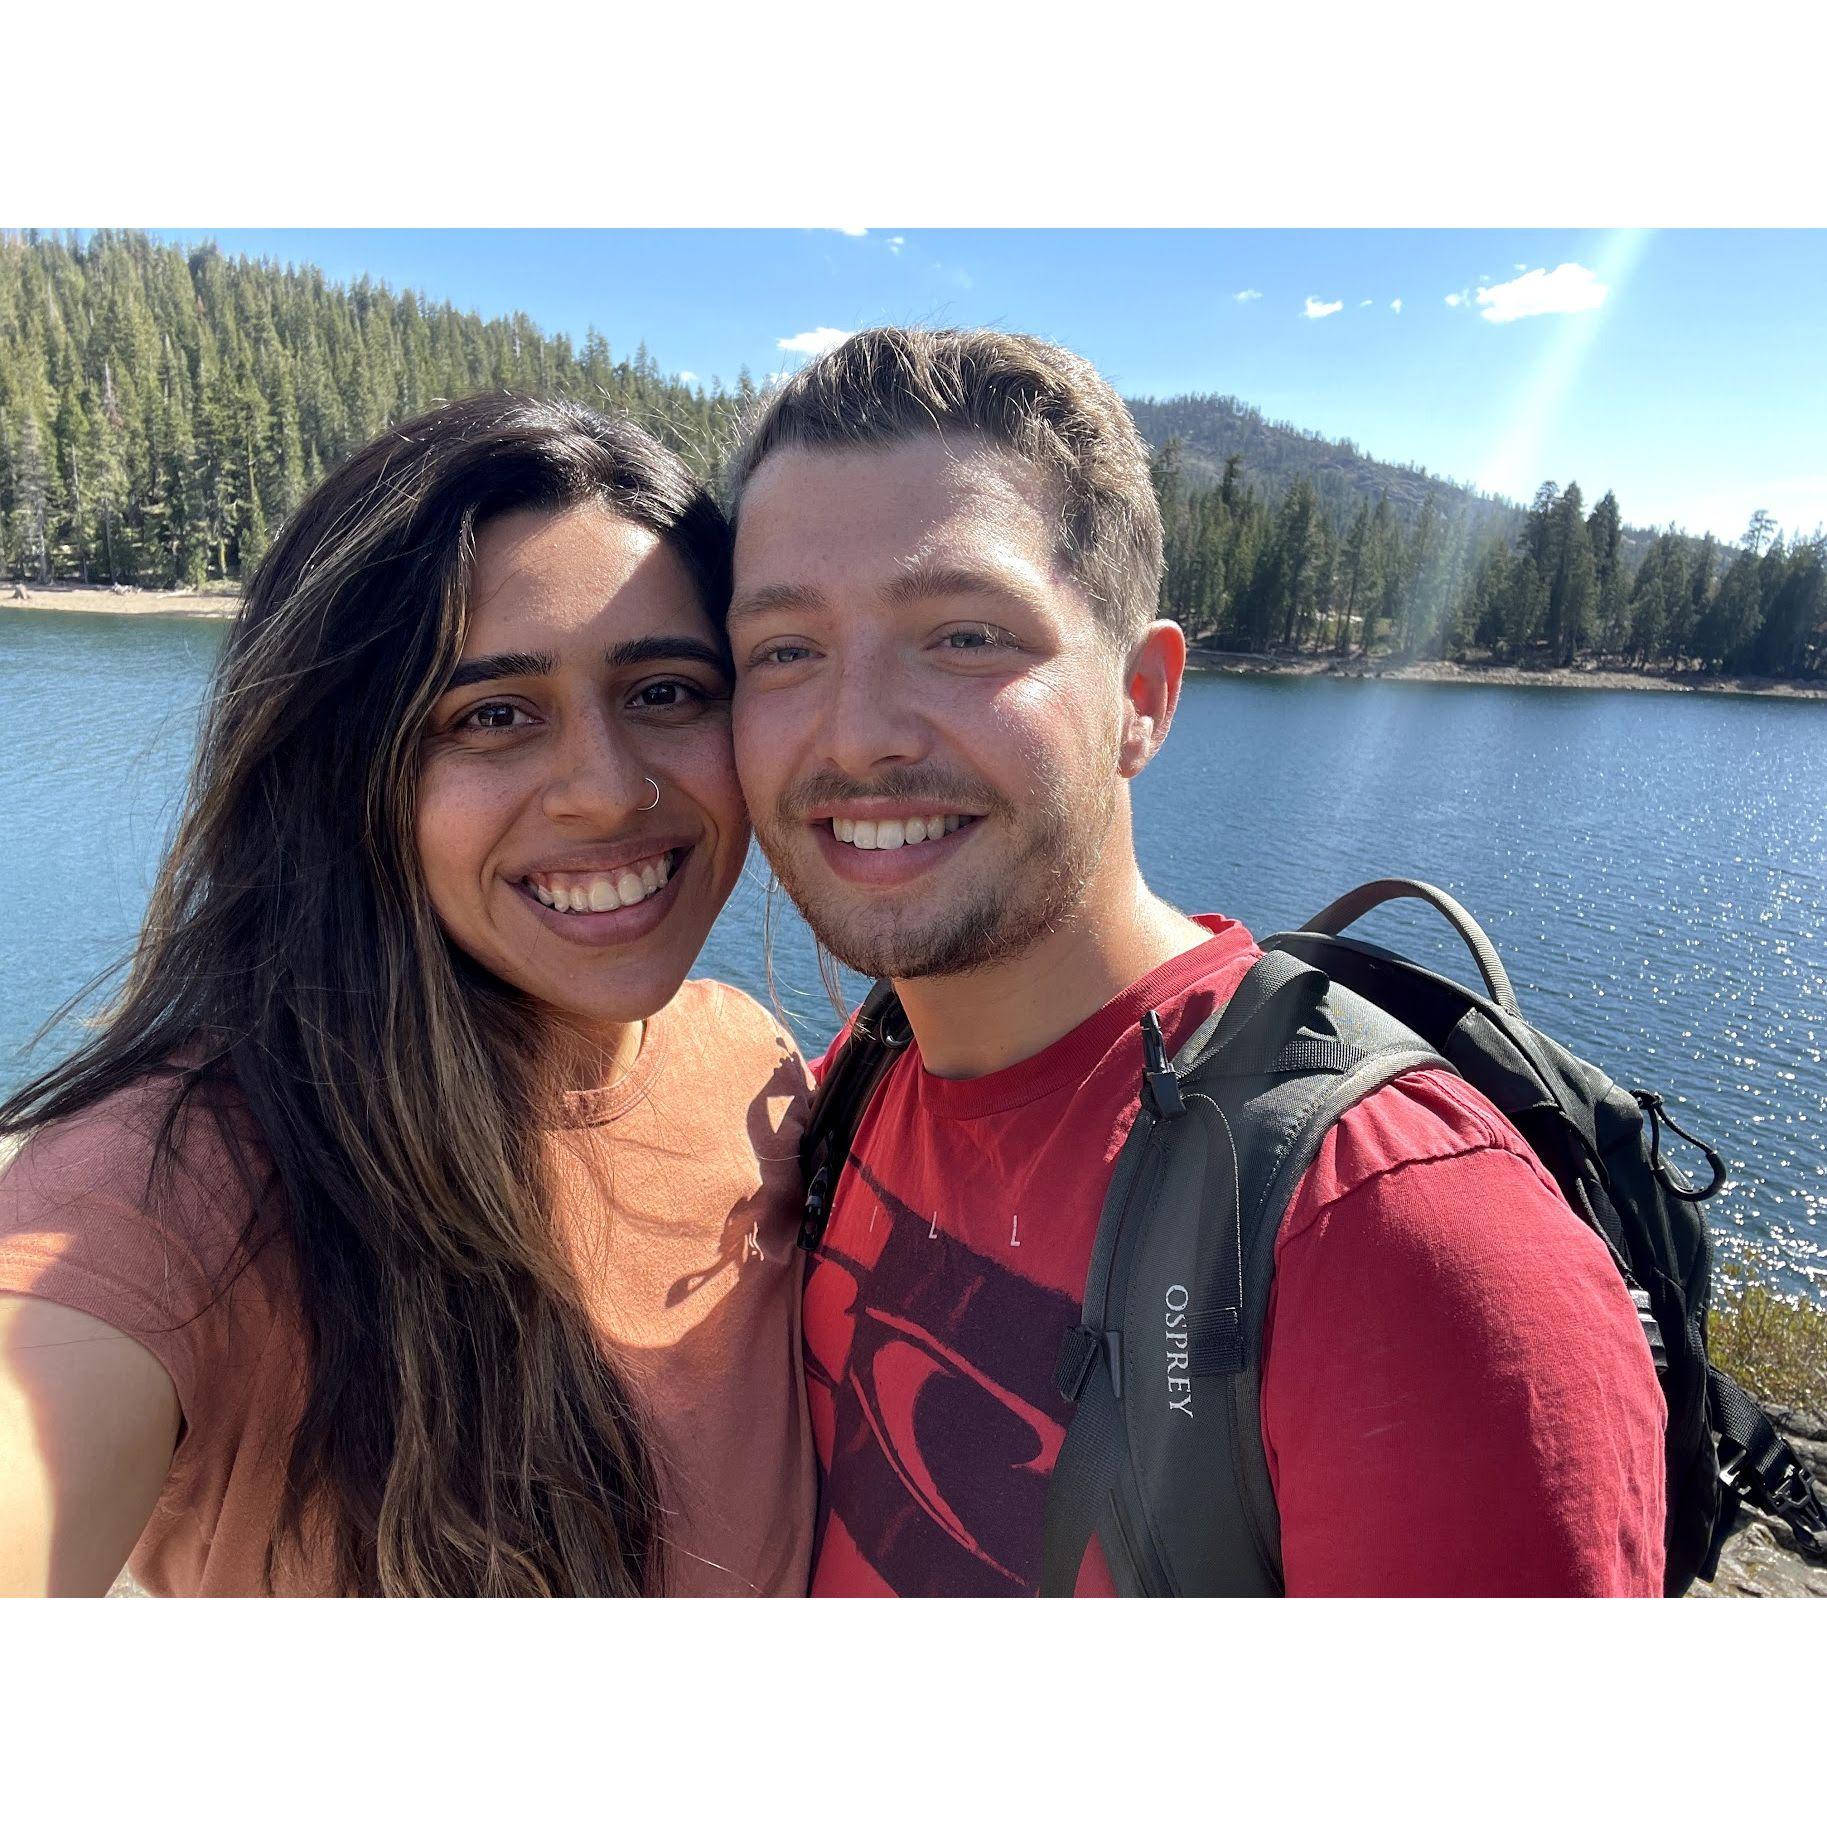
1410	1132
1424	1185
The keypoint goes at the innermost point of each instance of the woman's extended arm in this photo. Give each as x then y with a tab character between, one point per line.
88	1422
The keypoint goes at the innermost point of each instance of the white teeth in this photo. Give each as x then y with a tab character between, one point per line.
892	833
604	893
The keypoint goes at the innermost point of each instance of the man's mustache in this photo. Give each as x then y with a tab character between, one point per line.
955	790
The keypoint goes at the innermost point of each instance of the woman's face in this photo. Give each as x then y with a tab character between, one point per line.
590	674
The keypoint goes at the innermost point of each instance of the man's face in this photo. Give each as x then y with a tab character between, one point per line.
927	715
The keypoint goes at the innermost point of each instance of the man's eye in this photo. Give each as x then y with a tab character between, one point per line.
784	653
972	640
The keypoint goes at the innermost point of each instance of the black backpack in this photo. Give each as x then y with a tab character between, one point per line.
1164	1459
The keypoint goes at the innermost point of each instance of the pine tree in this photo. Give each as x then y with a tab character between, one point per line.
31	497
1605	532
1571	586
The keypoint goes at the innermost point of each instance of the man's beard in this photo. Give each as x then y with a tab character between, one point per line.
999	918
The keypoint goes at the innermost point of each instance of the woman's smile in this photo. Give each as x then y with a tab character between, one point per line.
580	825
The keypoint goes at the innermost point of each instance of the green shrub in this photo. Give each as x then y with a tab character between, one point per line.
1774	1344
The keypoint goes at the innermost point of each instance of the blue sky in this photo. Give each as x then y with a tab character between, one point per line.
1684	368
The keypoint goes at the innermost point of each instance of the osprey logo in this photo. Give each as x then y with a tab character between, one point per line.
1179	1387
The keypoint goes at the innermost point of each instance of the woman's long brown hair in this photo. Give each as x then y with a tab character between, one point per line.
462	1431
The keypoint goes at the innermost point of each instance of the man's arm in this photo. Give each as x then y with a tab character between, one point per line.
1457	1396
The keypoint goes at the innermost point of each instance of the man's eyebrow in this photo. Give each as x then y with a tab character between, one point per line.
667	647
500	666
917	584
922	581
774	596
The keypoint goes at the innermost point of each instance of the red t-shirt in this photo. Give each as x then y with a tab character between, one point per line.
1456	1394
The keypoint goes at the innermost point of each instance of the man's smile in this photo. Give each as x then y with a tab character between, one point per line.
891	848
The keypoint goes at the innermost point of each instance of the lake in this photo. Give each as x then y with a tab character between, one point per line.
1653	867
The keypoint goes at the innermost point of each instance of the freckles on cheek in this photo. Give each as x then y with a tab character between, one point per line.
455	829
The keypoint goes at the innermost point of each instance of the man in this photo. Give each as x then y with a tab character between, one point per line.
949	669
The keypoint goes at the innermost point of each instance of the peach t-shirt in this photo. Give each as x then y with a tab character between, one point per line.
677	1196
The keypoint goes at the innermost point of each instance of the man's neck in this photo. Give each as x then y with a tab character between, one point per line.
982	1021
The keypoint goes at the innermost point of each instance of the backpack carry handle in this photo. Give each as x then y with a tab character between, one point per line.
1354	906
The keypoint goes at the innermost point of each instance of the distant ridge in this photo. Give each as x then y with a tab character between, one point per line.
1211	426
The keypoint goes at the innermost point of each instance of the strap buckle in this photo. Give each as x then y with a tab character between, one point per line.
1791	1498
1160	1082
1079	1352
817	1208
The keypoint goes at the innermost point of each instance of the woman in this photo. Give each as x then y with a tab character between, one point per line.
412	1226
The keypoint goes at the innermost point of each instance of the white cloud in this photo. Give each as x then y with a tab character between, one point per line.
812	342
1362	302
1522	266
687	376
1395	304
1313	307
1455	298
897	242
855	233
1247	296
1540	293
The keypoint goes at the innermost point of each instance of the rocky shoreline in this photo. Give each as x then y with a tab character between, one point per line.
1760	1561
1458	672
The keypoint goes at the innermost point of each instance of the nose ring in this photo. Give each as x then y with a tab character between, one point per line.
656	792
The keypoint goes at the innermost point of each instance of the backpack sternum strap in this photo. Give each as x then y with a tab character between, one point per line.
878	1037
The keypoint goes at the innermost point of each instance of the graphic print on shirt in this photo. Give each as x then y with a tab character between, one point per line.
939	1406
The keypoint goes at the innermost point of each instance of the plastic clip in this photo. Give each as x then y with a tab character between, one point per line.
1160	1083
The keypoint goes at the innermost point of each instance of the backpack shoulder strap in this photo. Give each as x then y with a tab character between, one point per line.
1163	1459
878	1037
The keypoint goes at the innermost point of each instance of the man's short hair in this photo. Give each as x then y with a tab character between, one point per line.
1040	402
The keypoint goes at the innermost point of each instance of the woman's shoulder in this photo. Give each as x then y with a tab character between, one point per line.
734	1023
152	1190
732	1044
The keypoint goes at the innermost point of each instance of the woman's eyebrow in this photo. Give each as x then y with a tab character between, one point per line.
500	666
666	647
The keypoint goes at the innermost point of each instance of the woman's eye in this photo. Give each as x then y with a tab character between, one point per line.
669	694
491	716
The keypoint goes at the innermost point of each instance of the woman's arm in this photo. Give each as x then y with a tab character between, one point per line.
88	1422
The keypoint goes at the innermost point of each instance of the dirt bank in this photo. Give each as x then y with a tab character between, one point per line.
101	599
1455	672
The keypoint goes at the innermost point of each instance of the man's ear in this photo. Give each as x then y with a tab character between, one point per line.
1151	690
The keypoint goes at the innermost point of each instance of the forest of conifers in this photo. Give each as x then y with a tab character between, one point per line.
162	410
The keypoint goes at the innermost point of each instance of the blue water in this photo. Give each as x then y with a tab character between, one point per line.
1652	867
